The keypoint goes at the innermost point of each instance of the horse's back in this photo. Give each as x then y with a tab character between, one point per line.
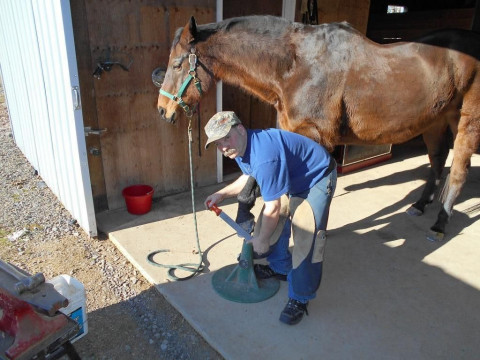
379	83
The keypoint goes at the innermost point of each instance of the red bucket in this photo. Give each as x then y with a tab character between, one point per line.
138	198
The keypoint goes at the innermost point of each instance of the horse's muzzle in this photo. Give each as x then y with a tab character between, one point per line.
163	112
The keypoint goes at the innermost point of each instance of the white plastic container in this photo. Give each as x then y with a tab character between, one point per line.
74	291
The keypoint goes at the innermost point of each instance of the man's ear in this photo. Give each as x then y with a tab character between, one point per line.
189	32
242	129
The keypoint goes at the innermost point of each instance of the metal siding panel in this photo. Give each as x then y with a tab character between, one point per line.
71	173
79	191
6	61
19	105
50	29
84	188
38	60
9	71
55	95
35	91
39	109
46	55
20	17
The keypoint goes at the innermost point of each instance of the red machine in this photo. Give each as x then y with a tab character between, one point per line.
31	327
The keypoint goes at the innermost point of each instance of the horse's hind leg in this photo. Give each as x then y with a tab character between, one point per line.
246	201
466	143
437	146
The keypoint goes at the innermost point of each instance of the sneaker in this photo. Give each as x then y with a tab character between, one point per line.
293	312
266	272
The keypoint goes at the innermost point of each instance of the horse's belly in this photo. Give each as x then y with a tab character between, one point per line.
377	137
389	128
392	118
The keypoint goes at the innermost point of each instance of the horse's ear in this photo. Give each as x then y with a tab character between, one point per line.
193	27
190	31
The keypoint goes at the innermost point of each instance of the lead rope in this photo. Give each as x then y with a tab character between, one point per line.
189	267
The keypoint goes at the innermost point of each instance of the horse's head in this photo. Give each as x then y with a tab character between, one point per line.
185	80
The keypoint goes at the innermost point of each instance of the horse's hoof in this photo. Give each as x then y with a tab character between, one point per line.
435	236
256	255
413	211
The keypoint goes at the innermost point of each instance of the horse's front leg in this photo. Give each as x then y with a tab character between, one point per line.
466	143
437	147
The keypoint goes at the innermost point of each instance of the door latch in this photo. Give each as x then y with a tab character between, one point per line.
77	103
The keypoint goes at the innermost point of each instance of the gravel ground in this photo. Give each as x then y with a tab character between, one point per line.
127	317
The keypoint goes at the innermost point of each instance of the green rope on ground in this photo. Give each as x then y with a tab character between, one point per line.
189	267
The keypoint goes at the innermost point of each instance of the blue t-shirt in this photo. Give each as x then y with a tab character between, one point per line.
283	162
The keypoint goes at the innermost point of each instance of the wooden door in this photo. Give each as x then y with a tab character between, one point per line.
138	147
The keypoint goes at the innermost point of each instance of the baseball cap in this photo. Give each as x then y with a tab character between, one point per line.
219	125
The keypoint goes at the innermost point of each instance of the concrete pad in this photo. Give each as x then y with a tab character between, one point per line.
387	292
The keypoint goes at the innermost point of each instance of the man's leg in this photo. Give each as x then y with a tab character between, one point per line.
309	222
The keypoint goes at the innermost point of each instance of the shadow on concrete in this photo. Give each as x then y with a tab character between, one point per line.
164	208
180	204
458	221
387	292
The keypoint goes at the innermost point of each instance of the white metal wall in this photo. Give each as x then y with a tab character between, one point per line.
39	69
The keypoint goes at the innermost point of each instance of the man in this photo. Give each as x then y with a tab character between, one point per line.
283	163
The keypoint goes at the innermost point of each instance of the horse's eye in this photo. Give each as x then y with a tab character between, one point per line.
177	66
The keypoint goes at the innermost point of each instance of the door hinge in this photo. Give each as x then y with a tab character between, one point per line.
95	151
90	131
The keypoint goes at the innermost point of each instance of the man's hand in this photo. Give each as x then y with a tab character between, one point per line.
228	191
214	199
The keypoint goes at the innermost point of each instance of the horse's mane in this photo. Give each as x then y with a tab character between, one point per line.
266	25
261	42
254	24
258	24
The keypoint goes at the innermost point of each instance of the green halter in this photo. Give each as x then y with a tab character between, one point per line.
192	59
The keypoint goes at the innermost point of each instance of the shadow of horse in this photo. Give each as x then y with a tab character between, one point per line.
396	284
396	178
393	221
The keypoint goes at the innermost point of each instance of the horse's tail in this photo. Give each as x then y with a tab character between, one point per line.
443	194
472	210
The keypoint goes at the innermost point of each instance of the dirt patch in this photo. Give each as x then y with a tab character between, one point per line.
127	317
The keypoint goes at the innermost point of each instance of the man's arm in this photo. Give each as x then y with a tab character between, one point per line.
271	214
230	190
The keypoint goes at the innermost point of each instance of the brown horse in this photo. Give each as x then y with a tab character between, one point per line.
332	84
